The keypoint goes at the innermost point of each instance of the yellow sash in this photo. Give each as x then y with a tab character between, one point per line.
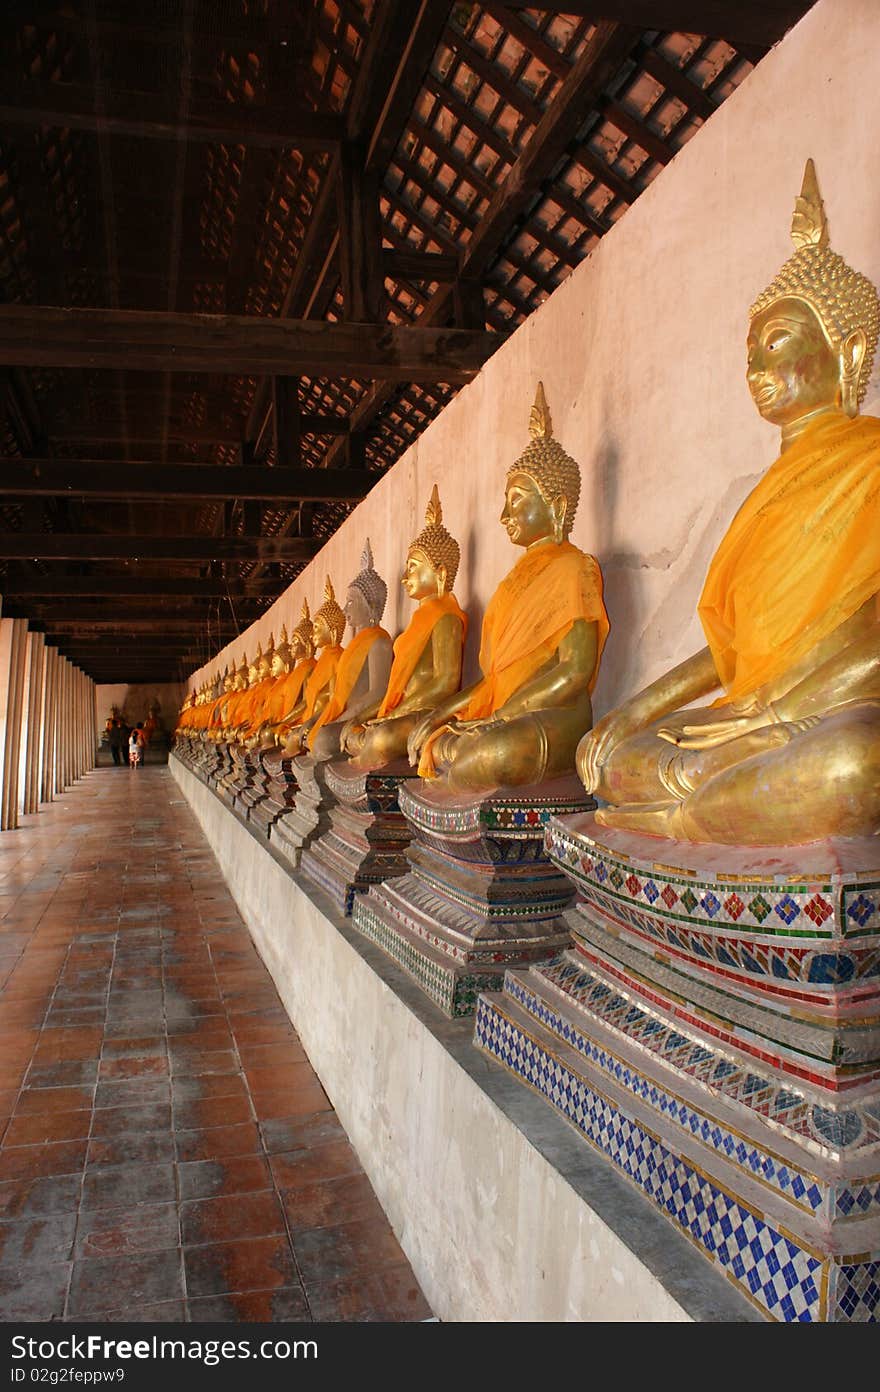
409	647
350	667
800	557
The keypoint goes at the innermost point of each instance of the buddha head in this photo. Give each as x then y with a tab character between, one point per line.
253	672
367	593
228	678
543	486
328	625
813	331
432	559
302	639
264	660
282	657
240	680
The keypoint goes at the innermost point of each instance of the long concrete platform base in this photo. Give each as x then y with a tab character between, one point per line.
502	1210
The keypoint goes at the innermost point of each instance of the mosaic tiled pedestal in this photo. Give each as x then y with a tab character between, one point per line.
309	817
278	786
717	1035
480	895
368	837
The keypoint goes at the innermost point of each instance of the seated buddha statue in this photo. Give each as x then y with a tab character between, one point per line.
229	710
260	682
790	752
361	676
427	656
541	641
328	626
290	698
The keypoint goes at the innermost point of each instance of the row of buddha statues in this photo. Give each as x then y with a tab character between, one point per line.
787	752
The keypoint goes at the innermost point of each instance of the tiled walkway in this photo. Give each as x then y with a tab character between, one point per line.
167	1151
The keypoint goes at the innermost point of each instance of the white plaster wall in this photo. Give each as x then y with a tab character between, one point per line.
492	1230
642	356
135	701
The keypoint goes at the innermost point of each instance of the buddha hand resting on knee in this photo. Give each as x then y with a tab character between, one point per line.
427	655
791	753
541	641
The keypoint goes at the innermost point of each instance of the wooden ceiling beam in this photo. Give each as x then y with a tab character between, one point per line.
195	589
79	546
761	22
69	106
145	479
42	336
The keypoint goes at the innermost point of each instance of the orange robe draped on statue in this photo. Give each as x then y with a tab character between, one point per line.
350	667
801	556
530	613
409	647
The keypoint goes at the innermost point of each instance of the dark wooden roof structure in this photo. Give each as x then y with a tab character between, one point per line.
249	249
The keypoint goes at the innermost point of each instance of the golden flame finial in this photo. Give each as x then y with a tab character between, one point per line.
540	424
434	512
809	225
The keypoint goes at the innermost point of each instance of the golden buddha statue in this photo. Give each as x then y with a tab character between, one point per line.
427	655
361	675
328	626
791	751
541	641
292	693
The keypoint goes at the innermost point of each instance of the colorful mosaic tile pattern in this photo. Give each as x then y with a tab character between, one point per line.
798	1186
513	816
828	1131
454	991
816	909
778	1275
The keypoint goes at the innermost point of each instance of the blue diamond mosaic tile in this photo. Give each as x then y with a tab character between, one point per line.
801	1189
779	1276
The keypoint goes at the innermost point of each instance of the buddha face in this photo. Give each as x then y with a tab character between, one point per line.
321	635
356	610
792	369
421	578
527	516
278	667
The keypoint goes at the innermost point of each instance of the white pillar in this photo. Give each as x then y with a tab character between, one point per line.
48	749
13	640
35	718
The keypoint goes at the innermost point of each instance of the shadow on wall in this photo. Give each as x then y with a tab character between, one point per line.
473	607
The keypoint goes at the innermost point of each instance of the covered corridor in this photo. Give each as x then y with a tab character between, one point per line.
167	1151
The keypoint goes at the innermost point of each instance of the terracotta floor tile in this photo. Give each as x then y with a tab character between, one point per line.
36	1240
131	1148
286	1102
327	1202
133	1002
217	1142
346	1250
137	1185
392	1294
53	1194
112	1232
62	1099
136	1118
285	1306
296	1168
34	1292
257	1214
261	1263
61	1157
98	1284
206	1087
213	1111
300	1132
47	1126
272	1078
232	1176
